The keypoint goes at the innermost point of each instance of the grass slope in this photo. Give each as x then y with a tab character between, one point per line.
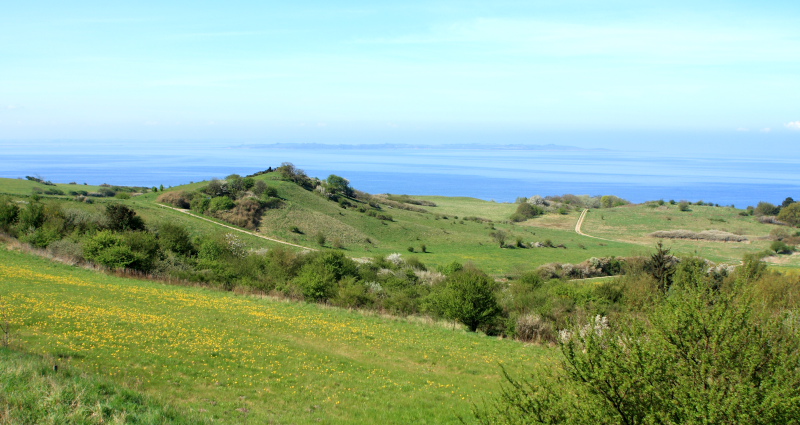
448	237
32	392
634	223
238	359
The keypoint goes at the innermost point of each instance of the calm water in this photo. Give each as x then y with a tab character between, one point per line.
501	175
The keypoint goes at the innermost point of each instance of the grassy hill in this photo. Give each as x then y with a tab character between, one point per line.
450	231
237	359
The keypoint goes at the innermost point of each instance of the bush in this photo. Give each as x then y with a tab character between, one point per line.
765	208
468	297
9	212
780	247
791	214
200	204
526	211
32	216
220	203
175	238
701	356
179	199
121	217
684	206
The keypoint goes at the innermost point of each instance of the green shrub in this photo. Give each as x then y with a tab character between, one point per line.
220	203
175	238
526	211
121	218
32	216
468	296
780	247
791	214
9	212
701	356
40	237
200	204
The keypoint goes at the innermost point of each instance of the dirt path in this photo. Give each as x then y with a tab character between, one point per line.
235	228
580	223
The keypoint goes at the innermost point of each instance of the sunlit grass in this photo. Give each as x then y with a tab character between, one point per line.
235	358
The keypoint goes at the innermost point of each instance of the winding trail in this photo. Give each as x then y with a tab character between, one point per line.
235	228
580	223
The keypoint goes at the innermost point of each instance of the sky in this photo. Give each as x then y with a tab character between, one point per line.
587	73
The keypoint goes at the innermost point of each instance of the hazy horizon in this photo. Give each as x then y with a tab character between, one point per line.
703	77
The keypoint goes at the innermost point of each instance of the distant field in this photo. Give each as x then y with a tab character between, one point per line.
447	236
634	223
239	359
25	187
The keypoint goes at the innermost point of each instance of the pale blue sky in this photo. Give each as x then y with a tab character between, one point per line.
574	72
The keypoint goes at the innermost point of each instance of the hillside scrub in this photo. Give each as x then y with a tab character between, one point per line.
701	353
791	214
706	235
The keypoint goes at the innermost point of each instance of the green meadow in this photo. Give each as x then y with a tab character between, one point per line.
236	359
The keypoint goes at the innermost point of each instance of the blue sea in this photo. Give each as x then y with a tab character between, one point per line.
501	175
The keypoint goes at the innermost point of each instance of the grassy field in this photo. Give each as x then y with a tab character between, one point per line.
33	392
237	359
634	223
447	236
26	187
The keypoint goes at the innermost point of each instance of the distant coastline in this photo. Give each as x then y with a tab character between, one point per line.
394	146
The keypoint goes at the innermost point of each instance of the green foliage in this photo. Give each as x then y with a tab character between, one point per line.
684	206
662	266
175	238
468	297
220	203
701	356
318	278
132	250
339	185
791	214
121	218
9	212
610	201
499	236
780	247
320	239
40	237
108	249
32	216
765	208
200	204
526	211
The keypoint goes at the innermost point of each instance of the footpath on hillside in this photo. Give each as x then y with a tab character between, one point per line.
236	228
580	223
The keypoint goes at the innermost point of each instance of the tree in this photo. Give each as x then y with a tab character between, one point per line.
499	237
469	297
765	208
786	202
662	266
121	218
339	185
791	214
